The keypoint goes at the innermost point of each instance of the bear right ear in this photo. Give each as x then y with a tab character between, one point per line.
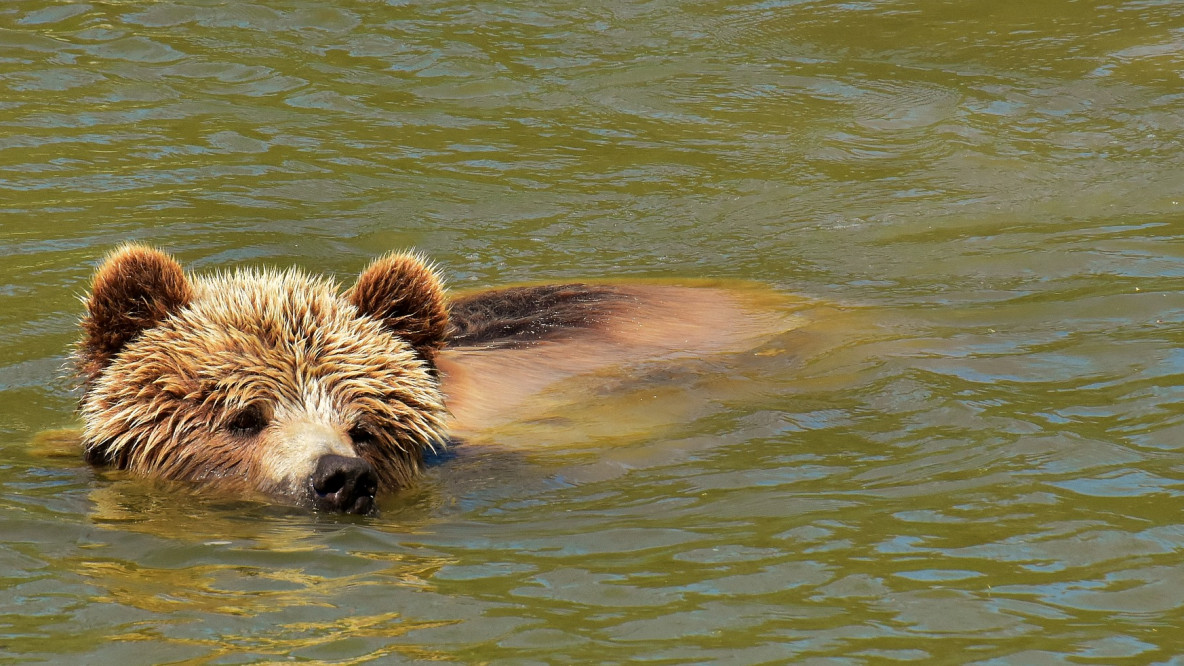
134	289
405	293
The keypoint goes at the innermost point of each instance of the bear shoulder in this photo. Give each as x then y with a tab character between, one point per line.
511	344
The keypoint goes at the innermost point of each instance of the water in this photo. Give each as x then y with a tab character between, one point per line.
972	457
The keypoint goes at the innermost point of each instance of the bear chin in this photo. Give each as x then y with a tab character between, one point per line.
281	383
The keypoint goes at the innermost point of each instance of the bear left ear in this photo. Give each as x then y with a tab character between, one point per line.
405	293
134	289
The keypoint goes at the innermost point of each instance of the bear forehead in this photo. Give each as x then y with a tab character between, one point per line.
277	308
284	325
288	303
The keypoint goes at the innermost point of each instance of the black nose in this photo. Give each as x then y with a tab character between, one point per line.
345	485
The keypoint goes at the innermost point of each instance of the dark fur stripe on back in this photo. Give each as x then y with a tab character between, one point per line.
521	315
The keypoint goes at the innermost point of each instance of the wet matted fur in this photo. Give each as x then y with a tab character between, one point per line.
245	380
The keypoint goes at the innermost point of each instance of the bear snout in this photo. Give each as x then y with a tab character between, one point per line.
343	485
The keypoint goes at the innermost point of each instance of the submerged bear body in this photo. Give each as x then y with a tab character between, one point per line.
282	385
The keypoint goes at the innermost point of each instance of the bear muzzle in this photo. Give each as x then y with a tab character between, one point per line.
343	484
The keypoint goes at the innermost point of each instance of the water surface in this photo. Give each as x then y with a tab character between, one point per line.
976	458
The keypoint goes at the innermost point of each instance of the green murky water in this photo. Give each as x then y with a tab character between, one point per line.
983	463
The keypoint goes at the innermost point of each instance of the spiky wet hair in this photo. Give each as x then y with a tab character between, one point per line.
187	377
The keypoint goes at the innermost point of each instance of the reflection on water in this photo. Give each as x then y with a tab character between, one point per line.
971	456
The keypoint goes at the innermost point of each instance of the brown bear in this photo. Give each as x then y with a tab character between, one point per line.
279	384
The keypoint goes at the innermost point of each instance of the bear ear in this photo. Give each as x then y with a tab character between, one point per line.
406	294
133	290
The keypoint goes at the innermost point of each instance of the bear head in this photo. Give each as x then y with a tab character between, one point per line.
260	381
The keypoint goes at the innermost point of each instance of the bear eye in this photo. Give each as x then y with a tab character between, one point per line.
249	421
361	434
